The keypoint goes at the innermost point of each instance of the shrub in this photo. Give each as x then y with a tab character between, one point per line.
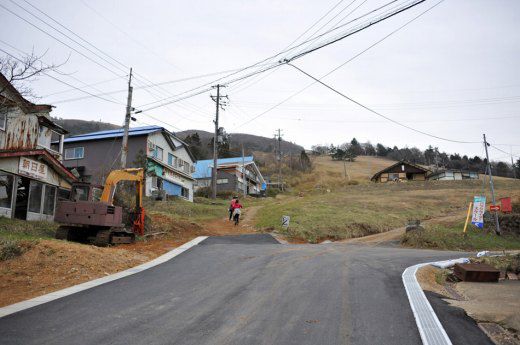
9	249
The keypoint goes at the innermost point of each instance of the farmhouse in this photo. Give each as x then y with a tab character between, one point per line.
452	174
401	171
230	176
31	173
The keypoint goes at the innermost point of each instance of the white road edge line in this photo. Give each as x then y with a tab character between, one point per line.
430	328
13	308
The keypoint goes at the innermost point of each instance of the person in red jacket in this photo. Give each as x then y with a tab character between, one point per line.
231	206
236	211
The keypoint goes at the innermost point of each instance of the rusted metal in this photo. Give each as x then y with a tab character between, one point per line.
476	272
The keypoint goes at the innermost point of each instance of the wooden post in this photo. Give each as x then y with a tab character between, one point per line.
467	217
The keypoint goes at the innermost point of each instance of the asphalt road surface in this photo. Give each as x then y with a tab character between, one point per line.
246	290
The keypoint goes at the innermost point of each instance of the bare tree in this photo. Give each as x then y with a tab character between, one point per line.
20	71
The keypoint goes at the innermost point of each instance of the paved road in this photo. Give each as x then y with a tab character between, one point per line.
241	290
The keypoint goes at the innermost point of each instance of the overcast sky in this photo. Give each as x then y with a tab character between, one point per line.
454	72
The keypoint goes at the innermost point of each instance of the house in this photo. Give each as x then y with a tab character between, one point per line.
168	160
401	171
229	175
453	174
32	176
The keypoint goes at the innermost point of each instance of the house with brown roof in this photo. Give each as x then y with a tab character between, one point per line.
31	172
401	171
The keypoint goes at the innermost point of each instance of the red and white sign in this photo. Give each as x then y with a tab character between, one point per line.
495	208
32	168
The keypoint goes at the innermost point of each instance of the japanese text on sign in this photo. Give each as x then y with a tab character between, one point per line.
30	167
479	207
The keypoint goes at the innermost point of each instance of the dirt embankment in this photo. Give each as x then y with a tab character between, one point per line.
50	265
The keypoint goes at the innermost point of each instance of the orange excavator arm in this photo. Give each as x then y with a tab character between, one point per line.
130	174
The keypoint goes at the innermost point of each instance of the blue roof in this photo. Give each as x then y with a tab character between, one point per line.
114	133
203	168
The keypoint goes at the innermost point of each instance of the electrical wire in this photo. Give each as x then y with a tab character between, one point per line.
64	82
379	114
342	64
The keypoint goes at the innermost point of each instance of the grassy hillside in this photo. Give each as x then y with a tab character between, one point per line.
326	205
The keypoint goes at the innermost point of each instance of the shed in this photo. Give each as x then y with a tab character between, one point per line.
401	171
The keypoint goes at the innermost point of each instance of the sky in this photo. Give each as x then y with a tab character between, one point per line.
452	72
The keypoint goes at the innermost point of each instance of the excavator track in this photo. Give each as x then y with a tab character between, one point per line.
102	238
62	233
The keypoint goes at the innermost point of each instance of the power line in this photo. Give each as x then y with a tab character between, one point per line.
378	113
64	82
342	64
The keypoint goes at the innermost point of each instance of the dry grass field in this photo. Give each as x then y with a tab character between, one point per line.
326	205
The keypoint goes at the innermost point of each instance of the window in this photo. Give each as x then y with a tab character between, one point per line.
6	190
74	153
35	197
48	201
158	153
3	117
393	176
171	159
63	194
222	181
80	193
186	167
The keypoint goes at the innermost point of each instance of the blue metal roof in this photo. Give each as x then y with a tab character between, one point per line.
203	168
114	133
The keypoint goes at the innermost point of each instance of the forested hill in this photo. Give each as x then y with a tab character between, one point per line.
201	143
82	126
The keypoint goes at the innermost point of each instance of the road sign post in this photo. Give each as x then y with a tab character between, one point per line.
285	221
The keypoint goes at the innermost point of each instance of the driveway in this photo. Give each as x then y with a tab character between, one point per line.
243	290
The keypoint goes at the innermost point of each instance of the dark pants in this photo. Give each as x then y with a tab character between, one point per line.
230	213
236	217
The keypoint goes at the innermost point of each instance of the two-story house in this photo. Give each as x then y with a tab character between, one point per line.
232	174
168	160
31	173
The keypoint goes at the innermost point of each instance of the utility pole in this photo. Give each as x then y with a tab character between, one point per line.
215	143
244	175
512	162
124	146
279	158
497	230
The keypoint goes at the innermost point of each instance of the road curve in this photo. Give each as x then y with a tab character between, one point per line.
240	290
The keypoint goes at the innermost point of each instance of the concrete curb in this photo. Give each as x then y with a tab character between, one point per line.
430	328
13	308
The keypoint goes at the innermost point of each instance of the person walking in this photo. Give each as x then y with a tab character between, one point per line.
231	206
236	211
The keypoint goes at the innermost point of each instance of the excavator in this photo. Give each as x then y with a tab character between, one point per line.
90	216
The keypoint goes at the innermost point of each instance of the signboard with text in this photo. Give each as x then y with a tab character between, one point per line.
285	221
494	208
32	168
479	207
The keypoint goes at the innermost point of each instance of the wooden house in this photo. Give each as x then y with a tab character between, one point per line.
401	171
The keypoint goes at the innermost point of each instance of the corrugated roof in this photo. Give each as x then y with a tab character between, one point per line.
203	168
113	133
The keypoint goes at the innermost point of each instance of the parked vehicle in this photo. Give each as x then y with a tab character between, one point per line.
90	216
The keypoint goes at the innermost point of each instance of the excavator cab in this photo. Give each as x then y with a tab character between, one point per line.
90	215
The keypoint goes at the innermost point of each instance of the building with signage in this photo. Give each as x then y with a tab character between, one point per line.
32	176
401	171
230	175
168	160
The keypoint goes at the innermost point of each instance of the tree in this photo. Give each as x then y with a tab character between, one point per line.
19	71
370	150
305	162
355	148
517	168
196	146
320	149
381	150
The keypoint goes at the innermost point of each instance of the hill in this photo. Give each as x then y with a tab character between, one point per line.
81	126
251	142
